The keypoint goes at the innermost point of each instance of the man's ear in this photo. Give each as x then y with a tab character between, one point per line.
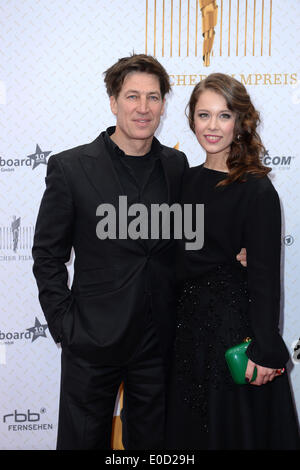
113	105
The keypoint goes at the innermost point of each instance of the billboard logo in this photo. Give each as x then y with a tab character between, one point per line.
33	160
39	157
34	332
37	330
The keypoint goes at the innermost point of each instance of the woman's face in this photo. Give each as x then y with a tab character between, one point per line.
214	124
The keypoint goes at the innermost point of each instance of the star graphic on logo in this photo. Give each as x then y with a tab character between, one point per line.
39	157
37	330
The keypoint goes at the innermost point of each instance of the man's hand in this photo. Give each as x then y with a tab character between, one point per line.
242	257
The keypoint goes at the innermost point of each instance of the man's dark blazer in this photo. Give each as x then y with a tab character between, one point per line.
102	316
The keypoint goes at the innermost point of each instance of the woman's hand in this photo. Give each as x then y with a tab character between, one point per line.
264	374
242	257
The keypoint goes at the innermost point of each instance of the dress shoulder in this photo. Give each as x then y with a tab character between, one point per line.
193	173
260	183
261	191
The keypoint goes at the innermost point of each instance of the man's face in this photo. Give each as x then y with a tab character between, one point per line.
138	108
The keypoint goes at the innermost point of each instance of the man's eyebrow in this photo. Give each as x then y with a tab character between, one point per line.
148	93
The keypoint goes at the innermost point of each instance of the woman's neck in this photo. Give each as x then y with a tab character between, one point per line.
216	163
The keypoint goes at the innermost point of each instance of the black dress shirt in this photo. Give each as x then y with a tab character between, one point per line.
141	177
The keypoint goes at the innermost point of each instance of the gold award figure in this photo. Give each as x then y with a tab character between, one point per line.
209	10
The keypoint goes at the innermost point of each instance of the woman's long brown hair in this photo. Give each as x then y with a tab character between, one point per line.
246	148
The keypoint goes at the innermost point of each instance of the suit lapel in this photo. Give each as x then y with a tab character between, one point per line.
171	176
99	169
101	173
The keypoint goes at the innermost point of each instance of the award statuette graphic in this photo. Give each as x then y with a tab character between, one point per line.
209	10
15	225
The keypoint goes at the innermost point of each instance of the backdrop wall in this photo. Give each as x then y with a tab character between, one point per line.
52	97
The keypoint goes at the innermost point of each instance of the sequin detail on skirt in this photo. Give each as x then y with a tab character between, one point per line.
211	317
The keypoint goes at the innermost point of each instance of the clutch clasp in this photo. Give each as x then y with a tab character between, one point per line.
247	340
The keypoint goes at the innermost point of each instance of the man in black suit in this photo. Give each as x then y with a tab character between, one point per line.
116	322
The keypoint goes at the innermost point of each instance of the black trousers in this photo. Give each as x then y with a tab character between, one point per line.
88	395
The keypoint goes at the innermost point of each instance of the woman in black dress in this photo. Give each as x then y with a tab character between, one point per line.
221	302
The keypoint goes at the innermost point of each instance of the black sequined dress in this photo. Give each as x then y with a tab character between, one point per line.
219	304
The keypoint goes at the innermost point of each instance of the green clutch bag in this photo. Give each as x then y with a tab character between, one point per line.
237	362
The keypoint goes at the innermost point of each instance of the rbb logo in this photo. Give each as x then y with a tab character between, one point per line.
22	417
